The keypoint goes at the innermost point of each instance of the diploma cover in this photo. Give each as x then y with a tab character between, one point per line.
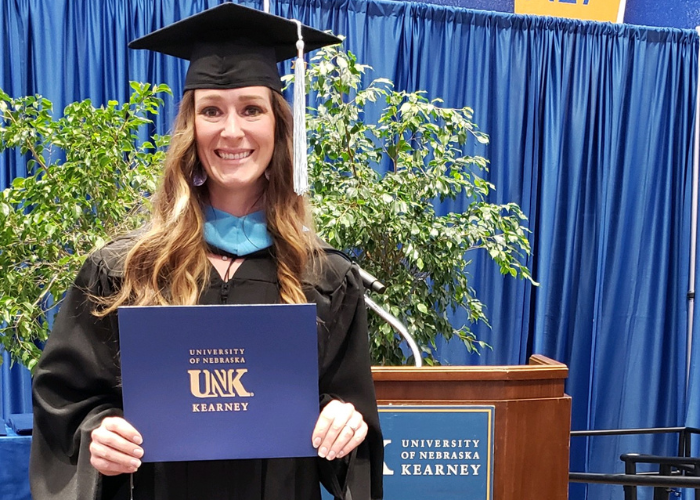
220	382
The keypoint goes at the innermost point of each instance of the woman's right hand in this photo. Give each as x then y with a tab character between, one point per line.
115	447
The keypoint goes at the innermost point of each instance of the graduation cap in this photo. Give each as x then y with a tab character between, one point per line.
231	46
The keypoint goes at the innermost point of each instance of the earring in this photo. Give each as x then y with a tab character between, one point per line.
199	177
267	174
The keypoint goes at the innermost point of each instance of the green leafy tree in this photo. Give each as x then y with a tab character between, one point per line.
88	174
388	222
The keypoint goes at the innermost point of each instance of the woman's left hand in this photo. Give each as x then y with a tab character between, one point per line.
339	430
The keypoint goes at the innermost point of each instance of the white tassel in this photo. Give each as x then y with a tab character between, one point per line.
301	175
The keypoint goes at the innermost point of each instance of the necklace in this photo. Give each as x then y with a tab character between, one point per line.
220	252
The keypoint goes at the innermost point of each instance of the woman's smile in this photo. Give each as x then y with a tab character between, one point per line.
228	155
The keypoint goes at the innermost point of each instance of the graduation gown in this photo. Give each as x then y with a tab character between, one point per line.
77	385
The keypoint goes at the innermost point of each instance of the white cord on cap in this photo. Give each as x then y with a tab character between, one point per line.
301	175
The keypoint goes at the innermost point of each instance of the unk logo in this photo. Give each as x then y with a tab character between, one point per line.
218	383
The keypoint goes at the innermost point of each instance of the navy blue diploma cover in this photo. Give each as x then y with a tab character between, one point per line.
220	382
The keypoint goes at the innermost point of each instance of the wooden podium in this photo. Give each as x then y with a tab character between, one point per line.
533	417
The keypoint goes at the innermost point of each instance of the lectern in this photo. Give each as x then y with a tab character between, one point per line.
532	424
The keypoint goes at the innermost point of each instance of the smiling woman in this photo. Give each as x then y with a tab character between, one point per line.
227	228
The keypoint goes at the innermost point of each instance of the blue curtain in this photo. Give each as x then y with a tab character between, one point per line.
15	389
591	128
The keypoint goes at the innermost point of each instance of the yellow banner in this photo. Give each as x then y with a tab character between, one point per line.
592	10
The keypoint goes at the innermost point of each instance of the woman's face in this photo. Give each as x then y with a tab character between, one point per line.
235	136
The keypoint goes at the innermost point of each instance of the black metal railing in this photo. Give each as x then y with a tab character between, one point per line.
682	471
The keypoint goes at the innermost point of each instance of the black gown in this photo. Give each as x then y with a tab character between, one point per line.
77	385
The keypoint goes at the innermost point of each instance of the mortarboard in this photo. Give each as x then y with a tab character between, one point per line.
231	46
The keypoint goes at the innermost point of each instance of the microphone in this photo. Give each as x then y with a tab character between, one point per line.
369	281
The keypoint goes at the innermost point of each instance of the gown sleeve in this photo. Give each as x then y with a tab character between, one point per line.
76	385
345	374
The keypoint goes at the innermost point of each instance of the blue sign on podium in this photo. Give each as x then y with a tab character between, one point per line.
441	452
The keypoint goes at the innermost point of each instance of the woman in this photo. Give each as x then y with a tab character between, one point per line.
226	228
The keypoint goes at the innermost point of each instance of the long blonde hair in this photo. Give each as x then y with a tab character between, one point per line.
168	264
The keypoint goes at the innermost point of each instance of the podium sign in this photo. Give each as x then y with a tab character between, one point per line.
441	452
220	382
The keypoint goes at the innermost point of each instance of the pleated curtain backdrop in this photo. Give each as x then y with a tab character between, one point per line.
591	131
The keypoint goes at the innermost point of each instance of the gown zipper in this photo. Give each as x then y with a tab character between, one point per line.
224	292
226	285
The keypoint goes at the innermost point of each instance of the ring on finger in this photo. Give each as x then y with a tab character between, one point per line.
353	429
